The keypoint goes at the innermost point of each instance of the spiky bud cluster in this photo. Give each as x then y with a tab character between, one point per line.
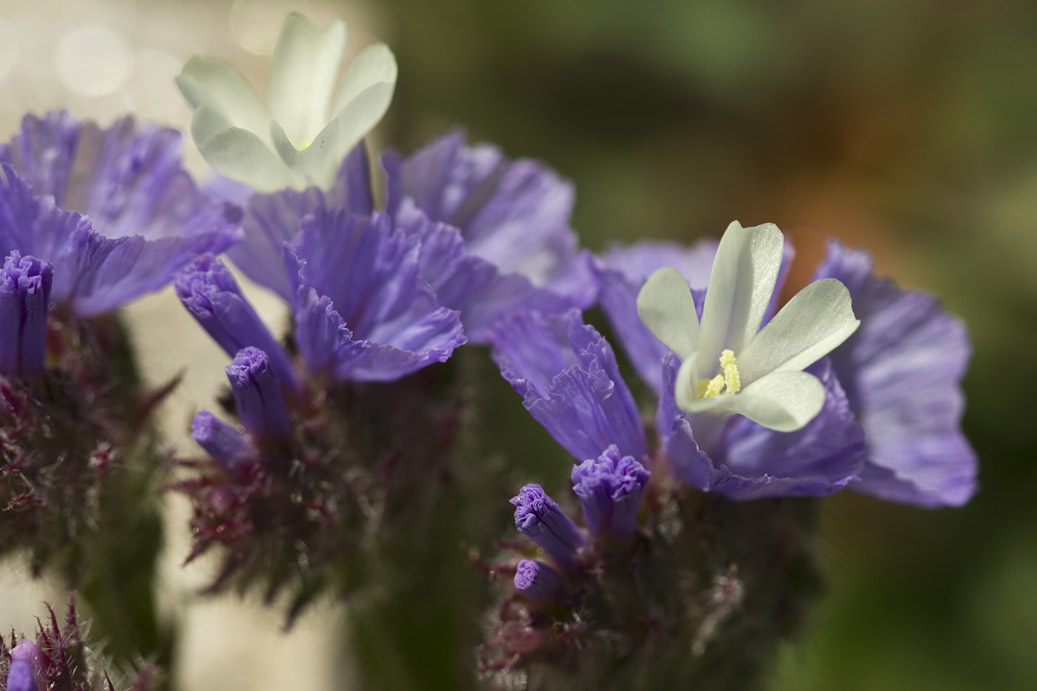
58	659
76	449
318	482
640	611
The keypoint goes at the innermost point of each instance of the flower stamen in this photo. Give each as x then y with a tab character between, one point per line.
728	381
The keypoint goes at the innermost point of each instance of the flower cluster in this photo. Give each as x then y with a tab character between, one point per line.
346	457
749	407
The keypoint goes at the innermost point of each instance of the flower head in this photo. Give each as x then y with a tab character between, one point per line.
257	394
536	580
25	284
610	488
539	518
303	134
24	662
729	364
112	210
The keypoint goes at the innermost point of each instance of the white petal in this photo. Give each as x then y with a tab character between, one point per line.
667	309
362	114
782	401
242	156
810	326
684	386
305	63
374	65
317	163
207	122
215	84
740	288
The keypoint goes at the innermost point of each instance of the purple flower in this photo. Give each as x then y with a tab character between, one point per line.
568	378
610	488
221	441
257	395
362	309
902	372
536	580
539	518
111	209
24	661
749	461
212	296
25	284
513	214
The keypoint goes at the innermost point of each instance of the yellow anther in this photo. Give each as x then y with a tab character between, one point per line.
730	367
728	381
714	387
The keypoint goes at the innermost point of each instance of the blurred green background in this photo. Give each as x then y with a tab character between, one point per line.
906	128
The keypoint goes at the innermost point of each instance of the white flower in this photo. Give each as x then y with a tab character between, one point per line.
729	365
301	139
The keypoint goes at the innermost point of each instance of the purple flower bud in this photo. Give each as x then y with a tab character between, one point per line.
538	517
257	394
610	488
212	296
536	581
220	440
24	293
24	661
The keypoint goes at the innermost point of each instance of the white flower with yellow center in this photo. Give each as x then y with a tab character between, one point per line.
303	135
729	366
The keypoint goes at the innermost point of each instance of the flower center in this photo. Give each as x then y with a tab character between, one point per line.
727	381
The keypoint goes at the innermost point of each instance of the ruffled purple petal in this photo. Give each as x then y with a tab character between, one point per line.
751	462
471	285
513	214
271	220
568	378
146	217
323	339
901	371
357	281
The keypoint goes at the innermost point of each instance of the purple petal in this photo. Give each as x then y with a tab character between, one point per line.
471	285
361	306
902	371
513	214
146	217
271	220
570	383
